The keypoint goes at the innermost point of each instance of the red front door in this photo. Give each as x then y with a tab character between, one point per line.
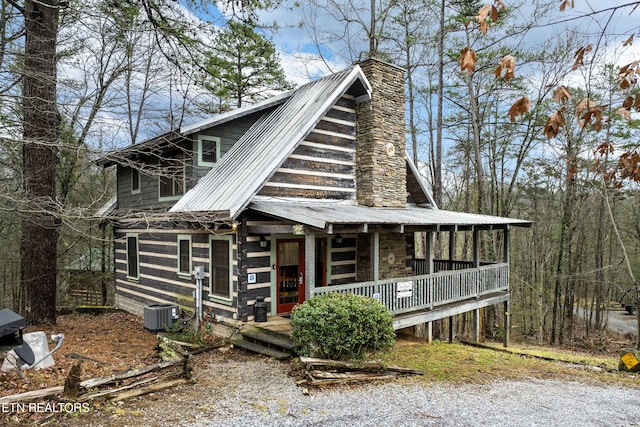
290	274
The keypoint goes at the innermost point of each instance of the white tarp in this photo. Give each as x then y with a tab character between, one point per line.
38	343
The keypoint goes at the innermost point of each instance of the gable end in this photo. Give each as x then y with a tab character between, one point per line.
323	165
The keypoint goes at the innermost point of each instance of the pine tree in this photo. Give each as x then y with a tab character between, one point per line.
245	66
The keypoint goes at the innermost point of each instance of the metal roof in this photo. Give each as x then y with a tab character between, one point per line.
157	143
254	158
325	214
218	119
107	208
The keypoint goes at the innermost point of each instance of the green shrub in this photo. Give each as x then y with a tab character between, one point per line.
341	326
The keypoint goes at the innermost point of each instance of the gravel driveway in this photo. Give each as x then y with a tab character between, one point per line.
255	391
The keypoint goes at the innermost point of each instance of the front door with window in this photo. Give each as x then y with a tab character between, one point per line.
290	274
291	278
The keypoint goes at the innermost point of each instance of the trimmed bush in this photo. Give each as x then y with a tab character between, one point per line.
341	326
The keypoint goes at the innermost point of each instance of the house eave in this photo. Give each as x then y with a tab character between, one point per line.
337	216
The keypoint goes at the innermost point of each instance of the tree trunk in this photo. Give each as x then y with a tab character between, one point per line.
41	122
437	161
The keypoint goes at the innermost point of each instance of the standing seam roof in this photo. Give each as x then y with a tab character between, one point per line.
241	173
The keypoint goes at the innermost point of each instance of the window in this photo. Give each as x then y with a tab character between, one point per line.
172	178
221	267
184	255
133	260
135	181
208	150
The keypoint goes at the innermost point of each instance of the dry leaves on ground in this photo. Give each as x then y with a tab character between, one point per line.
105	343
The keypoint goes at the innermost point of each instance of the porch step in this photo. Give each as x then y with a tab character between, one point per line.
257	348
272	339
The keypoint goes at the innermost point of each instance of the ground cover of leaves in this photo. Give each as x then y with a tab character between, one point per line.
106	343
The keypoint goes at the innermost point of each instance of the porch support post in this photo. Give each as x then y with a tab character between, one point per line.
452	329
424	331
429	252
476	248
452	246
476	325
375	256
505	237
309	264
507	323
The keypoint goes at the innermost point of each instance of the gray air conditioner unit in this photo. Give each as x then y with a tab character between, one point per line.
157	317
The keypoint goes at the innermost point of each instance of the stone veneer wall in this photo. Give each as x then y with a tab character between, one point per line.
380	145
393	257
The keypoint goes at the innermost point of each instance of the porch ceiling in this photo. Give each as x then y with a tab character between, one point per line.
326	215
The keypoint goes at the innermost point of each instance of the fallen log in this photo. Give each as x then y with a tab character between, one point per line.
169	349
349	379
150	389
358	366
95	394
96	382
86	389
35	394
348	375
327	372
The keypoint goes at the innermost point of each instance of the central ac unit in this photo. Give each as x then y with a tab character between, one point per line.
157	317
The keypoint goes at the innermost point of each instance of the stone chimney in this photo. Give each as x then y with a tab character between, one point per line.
381	171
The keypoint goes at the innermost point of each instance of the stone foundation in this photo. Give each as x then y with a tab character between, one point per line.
130	305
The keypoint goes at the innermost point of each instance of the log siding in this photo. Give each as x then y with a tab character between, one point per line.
159	280
323	165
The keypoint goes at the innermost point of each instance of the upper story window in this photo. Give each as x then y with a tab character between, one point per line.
172	177
208	150
135	181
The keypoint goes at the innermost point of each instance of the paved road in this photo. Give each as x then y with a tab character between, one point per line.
623	322
619	321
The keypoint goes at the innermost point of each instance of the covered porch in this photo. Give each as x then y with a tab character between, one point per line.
396	261
420	300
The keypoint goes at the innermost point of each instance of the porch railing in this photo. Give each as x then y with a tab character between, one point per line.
413	293
420	265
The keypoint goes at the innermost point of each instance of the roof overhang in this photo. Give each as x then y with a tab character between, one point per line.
334	217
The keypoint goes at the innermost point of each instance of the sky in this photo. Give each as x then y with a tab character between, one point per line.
300	60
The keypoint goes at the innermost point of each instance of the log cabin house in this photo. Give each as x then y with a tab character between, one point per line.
308	192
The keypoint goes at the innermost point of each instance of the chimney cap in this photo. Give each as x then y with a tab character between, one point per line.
374	59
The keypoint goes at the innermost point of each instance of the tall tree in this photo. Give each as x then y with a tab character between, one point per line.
180	39
40	130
